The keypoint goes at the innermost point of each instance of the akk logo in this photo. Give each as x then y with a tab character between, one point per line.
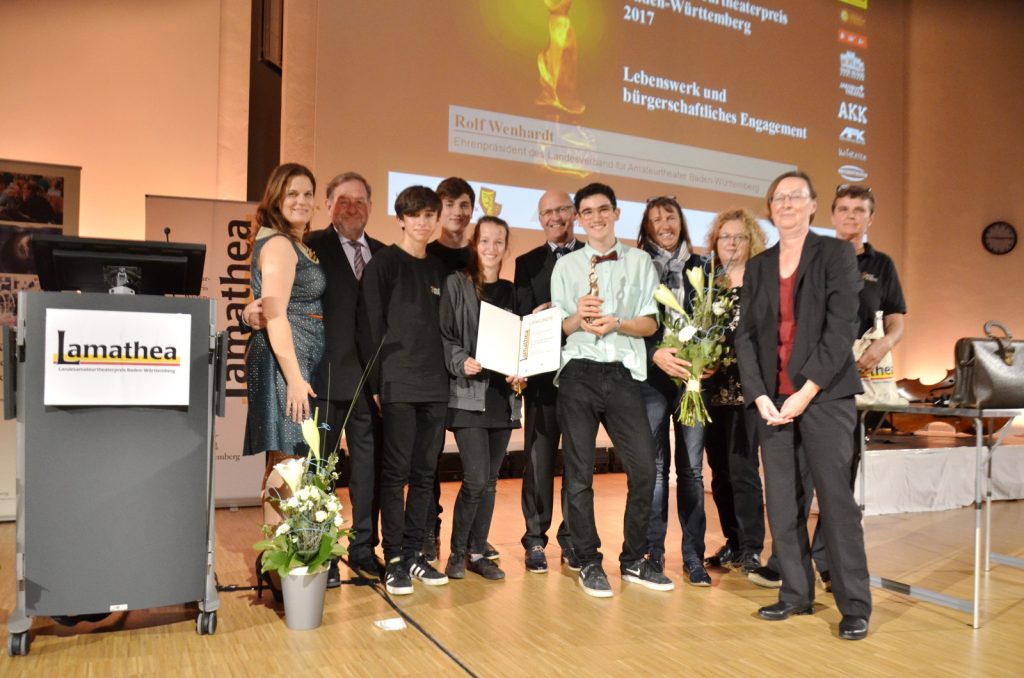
851	66
851	90
853	112
852	173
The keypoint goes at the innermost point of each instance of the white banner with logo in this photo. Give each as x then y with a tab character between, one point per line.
116	358
225	227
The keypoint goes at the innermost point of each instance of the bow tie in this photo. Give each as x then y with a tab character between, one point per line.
611	256
561	252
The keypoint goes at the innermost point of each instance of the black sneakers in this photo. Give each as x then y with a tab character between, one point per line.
763	576
486	568
726	556
420	569
570	559
397	581
644	573
536	560
431	546
696	575
491	553
594	581
456	568
749	562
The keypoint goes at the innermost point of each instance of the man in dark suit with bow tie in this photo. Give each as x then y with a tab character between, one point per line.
541	436
344	250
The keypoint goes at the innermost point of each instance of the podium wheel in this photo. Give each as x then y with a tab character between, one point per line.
206	623
17	644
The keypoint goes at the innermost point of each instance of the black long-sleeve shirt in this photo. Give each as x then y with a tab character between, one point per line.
398	303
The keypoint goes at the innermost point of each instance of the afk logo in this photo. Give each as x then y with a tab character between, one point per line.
852	135
851	90
855	39
851	66
853	112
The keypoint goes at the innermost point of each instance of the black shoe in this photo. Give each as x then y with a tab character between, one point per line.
367	567
696	575
826	581
333	576
536	560
570	559
657	561
726	556
643	573
853	628
768	578
431	546
491	553
594	581
396	579
265	579
456	567
781	610
420	569
749	562
485	568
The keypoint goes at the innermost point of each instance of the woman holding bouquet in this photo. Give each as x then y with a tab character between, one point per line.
731	434
483	406
799	320
663	235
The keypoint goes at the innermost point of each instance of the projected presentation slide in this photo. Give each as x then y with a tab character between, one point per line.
705	100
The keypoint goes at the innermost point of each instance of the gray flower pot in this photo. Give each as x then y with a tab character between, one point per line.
304	598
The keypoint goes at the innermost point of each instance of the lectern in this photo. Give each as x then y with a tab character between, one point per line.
115	396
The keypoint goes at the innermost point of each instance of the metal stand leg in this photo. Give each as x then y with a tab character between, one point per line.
979	460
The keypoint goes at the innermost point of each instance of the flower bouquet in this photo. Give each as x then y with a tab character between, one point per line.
310	533
698	336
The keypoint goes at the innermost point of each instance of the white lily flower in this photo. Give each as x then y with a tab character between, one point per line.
686	334
311	434
696	277
302	493
291	502
338	520
718	308
320	516
291	471
664	296
282	529
332	505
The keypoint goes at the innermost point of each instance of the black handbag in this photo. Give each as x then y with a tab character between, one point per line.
989	371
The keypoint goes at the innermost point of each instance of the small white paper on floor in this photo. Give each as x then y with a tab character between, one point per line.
393	624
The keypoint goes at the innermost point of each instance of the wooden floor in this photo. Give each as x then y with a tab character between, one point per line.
543	625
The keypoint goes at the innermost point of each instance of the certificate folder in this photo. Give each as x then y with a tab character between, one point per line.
511	345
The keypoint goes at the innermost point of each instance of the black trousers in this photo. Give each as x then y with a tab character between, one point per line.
591	393
363	439
730	439
541	436
817	444
412	434
481	452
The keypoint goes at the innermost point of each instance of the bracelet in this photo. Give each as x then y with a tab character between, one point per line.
618	324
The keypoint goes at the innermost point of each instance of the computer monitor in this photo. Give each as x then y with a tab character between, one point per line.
103	265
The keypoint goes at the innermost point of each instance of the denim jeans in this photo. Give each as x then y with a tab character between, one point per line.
689	457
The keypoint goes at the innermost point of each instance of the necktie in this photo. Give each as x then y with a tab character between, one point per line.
358	263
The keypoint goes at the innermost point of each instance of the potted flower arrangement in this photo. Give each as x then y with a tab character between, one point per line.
698	336
300	547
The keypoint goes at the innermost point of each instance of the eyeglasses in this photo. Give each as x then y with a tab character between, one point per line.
352	204
564	210
736	237
780	198
854	190
591	213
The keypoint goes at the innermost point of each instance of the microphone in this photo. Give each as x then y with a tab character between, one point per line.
167	233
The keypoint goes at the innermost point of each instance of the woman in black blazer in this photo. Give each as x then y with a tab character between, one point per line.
794	346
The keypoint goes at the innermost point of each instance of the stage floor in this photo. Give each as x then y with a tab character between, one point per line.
545	625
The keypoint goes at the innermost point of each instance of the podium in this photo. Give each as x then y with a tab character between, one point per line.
114	501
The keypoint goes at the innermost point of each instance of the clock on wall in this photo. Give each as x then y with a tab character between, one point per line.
999	237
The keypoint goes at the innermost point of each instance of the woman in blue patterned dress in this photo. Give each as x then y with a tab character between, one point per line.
281	359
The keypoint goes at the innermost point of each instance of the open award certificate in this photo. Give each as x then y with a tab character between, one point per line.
511	345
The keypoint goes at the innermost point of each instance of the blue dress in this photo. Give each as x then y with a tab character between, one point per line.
266	426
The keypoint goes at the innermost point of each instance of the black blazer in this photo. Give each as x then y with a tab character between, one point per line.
341	359
825	306
533	277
